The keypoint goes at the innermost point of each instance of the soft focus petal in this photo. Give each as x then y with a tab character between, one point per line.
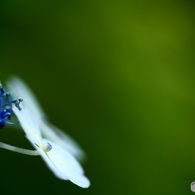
28	123
62	163
19	88
50	164
54	134
66	165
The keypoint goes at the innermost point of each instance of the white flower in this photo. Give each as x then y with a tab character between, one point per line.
49	131
56	152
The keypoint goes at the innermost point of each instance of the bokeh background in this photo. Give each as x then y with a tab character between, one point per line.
119	77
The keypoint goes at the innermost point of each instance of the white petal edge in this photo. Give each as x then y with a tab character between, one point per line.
65	165
52	133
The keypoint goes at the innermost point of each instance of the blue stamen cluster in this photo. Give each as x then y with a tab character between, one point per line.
6	102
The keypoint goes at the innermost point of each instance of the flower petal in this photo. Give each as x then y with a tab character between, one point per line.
28	123
54	134
63	164
66	166
19	88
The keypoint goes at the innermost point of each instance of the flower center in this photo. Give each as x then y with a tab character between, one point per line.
6	102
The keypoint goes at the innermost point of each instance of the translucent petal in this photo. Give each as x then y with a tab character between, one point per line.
59	159
31	129
20	89
54	134
66	165
51	166
28	123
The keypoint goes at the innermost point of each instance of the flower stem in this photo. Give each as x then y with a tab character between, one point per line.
19	150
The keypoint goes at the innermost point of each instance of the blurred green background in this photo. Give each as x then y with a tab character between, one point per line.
118	76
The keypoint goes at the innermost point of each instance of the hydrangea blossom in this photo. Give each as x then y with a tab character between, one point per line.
63	164
49	131
57	149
